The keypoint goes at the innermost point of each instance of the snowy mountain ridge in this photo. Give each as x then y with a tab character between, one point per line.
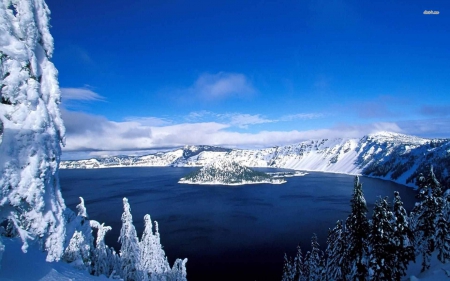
386	155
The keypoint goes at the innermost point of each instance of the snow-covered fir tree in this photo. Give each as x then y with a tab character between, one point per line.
335	253
105	259
80	232
428	212
129	250
31	127
153	259
403	239
314	261
299	265
294	270
78	253
357	227
443	229
288	269
380	240
178	272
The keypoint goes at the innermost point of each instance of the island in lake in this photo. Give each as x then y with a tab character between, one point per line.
226	172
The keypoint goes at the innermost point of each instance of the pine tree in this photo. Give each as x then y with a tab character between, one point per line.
336	253
31	127
443	229
288	269
427	213
357	227
103	262
78	252
403	238
179	270
313	261
153	259
129	251
299	265
382	252
80	229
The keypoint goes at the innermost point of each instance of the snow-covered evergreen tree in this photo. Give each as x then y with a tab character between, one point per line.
382	244
129	251
313	261
82	238
403	239
31	127
299	265
288	269
295	270
153	259
357	227
443	228
179	270
428	212
78	252
104	259
335	253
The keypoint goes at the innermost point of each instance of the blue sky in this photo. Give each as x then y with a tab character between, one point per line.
159	74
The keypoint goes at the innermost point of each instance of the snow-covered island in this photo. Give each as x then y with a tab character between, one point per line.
226	172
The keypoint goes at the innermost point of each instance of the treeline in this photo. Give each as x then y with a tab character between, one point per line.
382	247
138	260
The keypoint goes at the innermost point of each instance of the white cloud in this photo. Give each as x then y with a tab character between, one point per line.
243	120
81	94
198	115
222	85
150	121
86	132
301	116
92	132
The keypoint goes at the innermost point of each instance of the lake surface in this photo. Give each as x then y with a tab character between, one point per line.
226	232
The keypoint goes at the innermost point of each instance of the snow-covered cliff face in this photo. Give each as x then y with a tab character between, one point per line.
31	126
386	155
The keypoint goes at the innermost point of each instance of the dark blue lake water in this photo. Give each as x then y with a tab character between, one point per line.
226	232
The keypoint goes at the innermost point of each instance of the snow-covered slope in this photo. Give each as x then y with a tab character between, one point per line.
31	266
386	155
226	172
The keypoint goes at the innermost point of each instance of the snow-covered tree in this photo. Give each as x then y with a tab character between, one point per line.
129	251
78	253
288	269
105	259
313	261
382	246
428	212
357	227
31	127
299	265
403	238
179	270
294	270
153	259
443	228
335	253
81	236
